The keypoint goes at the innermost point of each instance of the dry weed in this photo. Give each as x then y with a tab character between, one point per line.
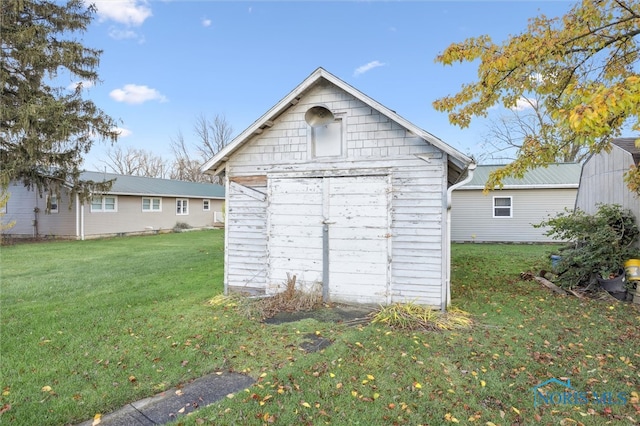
411	316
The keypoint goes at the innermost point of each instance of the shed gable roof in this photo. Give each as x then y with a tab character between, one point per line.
629	145
559	175
139	185
458	160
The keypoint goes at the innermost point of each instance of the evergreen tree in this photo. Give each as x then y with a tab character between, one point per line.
45	128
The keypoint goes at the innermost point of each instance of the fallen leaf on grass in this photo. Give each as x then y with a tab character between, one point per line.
448	417
5	408
46	389
96	419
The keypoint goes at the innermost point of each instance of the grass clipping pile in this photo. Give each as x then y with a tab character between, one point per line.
410	316
291	299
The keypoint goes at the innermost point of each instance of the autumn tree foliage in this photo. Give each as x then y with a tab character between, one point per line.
45	127
582	67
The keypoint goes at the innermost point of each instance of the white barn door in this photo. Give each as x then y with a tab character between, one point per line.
357	253
295	231
358	212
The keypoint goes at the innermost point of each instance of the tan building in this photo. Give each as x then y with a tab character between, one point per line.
134	205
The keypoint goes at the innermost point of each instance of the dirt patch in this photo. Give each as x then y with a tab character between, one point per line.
347	314
314	343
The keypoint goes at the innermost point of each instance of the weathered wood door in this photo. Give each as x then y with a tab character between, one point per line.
356	254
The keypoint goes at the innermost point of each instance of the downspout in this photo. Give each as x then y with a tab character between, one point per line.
447	283
82	221
77	216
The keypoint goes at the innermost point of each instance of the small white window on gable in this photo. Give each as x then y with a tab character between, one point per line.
502	207
325	132
206	205
52	203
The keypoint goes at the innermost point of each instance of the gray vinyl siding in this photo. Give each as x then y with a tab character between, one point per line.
373	145
20	208
472	214
602	181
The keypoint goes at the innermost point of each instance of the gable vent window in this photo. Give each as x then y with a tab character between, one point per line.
326	132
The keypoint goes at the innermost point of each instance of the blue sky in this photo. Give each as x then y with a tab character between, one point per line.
165	63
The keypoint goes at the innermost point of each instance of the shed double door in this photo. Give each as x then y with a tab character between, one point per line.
354	252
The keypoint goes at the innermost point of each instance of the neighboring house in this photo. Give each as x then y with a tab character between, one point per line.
133	205
340	191
602	180
508	214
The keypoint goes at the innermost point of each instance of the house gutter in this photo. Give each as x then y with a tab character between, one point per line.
446	299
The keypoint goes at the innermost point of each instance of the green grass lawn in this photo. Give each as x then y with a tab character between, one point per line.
88	326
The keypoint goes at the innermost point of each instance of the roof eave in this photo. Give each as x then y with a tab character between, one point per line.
551	186
140	194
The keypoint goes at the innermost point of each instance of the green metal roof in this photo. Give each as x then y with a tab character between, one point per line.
138	185
559	175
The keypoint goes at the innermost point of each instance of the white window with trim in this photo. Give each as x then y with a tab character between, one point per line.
52	203
502	207
326	139
206	205
151	204
182	206
107	203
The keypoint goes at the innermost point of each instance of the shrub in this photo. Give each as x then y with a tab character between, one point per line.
180	226
597	245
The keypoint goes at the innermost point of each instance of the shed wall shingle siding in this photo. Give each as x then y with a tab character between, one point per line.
246	235
373	146
472	214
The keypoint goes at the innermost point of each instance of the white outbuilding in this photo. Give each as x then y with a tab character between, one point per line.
342	192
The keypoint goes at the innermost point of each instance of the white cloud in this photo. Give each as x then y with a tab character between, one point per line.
122	133
206	22
85	84
368	67
122	34
135	94
524	103
128	12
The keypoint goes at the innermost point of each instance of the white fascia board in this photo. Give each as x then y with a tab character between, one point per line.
550	186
